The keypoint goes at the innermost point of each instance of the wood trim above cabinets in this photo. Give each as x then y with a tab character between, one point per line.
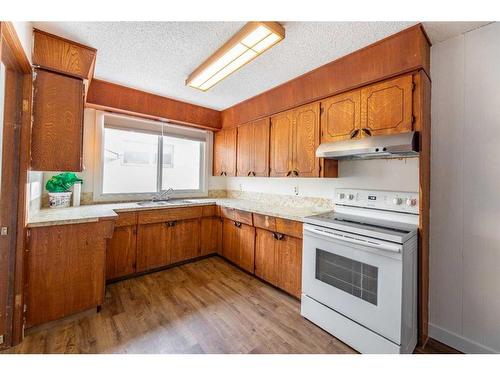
121	99
406	51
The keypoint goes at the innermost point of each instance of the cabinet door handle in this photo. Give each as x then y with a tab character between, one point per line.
295	173
253	173
289	173
275	236
249	173
367	131
171	223
354	133
237	224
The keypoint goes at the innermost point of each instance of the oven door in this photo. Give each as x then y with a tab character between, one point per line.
359	277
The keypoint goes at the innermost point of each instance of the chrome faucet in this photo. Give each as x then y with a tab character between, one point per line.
163	195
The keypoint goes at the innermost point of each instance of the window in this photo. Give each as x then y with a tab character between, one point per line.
139	158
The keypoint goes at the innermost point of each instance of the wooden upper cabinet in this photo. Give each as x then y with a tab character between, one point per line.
340	116
57	131
253	149
386	107
281	144
306	134
224	163
62	55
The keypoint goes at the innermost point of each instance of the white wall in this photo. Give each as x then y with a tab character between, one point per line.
389	174
465	207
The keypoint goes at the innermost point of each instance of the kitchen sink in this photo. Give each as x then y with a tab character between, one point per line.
169	202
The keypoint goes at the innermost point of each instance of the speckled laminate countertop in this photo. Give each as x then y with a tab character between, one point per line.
96	212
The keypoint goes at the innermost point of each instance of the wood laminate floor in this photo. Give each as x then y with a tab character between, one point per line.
208	306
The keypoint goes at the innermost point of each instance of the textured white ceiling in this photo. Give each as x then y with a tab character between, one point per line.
158	56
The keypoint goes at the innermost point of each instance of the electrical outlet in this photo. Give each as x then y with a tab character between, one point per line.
296	190
241	187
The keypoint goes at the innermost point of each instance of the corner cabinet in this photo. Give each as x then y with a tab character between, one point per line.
379	109
224	163
57	130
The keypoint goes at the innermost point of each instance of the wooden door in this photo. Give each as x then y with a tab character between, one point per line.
266	256
281	144
230	155
246	239
289	265
57	130
245	150
261	148
386	107
121	252
230	241
306	141
341	116
219	153
184	240
152	246
210	235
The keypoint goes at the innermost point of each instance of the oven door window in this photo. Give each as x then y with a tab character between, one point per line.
349	275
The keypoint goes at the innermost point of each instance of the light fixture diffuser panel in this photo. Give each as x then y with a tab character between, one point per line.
251	41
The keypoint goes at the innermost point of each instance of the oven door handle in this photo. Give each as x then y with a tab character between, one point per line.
395	248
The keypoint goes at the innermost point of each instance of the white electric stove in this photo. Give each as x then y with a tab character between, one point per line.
359	270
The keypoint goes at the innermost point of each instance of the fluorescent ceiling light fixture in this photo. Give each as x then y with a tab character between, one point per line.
252	40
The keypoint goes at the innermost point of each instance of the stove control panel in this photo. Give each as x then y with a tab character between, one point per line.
378	199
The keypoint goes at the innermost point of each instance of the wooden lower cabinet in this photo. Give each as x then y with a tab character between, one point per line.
121	252
66	265
152	246
211	235
238	244
184	240
278	260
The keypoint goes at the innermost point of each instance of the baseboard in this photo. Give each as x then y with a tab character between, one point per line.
458	342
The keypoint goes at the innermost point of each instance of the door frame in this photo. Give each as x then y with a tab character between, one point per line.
20	62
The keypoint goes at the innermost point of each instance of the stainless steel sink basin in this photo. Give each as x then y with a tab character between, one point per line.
169	202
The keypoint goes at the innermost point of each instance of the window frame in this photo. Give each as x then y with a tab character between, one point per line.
125	122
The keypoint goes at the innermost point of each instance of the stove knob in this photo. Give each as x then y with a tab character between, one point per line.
340	195
351	197
397	201
411	202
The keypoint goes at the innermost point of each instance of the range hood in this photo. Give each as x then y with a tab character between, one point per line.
384	146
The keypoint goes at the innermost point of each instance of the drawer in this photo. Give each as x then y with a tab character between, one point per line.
125	219
169	214
210	211
275	224
236	215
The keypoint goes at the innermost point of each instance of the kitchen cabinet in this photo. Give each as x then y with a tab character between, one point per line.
224	163
65	270
379	109
57	129
295	136
211	235
238	244
121	249
278	260
386	107
152	246
253	149
340	116
183	240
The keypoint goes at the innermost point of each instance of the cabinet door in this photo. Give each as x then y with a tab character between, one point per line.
57	130
211	235
306	141
245	150
261	148
230	241
340	116
281	144
246	239
152	246
289	264
386	107
219	153
121	252
230	156
184	240
266	256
